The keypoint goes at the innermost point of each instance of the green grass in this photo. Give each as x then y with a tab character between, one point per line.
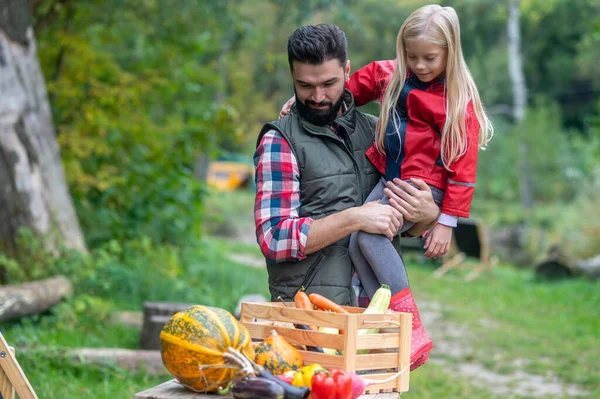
434	382
53	377
553	326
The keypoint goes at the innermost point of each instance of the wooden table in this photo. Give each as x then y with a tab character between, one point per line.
172	390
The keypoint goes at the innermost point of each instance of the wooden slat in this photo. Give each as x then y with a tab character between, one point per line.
377	341
300	337
404	352
293	315
15	374
6	389
350	344
325	360
377	361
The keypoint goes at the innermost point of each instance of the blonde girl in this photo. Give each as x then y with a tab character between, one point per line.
431	127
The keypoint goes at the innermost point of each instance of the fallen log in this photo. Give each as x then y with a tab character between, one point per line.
31	298
148	361
557	265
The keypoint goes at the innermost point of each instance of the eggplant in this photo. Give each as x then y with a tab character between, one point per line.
309	348
256	388
291	392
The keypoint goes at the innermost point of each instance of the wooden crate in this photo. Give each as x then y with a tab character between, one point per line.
389	350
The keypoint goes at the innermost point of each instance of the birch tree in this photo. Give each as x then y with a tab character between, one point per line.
519	92
33	189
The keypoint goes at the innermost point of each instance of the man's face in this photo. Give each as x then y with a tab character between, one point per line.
319	90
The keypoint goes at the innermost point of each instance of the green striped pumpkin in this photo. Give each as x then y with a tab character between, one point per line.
192	344
277	355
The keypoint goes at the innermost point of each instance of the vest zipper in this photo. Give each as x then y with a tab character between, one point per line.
350	150
312	270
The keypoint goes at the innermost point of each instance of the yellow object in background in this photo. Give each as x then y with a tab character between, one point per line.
228	176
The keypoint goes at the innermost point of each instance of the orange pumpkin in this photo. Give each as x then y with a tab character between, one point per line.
277	355
192	344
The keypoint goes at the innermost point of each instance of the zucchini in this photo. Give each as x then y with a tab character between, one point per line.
379	304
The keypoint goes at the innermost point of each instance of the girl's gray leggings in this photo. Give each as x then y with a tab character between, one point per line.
373	255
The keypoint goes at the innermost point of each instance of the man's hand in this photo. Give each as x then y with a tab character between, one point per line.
373	217
287	107
377	218
414	204
438	241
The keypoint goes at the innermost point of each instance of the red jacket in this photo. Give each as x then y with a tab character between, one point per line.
421	109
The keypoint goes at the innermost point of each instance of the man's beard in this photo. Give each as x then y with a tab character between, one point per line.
319	117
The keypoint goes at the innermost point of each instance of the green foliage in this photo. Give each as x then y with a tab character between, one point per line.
130	124
135	271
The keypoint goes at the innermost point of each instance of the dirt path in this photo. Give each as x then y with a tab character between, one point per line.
453	352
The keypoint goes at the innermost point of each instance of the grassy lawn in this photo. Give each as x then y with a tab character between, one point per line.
553	327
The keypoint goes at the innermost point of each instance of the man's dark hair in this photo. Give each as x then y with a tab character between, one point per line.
315	44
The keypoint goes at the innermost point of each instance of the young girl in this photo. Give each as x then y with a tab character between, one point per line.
431	126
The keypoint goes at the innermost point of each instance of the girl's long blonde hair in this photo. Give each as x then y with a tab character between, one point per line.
440	26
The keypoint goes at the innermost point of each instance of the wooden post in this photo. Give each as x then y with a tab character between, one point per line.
16	378
350	343
6	389
404	351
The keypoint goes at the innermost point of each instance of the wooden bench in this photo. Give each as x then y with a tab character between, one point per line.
173	390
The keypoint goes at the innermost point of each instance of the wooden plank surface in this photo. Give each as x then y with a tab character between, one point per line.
172	390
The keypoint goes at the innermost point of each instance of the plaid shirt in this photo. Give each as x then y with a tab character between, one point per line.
280	232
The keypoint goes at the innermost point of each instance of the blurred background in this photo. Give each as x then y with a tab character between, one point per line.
127	130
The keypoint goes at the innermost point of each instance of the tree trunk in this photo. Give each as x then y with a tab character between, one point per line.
31	298
519	89
33	188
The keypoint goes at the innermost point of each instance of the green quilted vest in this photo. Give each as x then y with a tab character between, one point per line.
334	175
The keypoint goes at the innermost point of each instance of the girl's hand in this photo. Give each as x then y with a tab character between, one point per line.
438	241
287	107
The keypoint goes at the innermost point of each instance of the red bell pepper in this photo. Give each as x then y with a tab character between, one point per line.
336	384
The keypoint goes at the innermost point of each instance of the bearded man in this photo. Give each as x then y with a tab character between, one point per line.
312	177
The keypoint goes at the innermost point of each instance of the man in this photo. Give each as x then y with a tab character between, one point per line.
313	177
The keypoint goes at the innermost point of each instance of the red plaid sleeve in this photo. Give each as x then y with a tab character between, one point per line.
280	232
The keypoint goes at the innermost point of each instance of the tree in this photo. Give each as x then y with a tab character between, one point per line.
33	188
515	65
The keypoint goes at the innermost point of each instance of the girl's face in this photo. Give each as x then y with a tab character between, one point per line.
425	59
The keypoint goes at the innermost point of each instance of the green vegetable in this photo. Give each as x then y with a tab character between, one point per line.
379	304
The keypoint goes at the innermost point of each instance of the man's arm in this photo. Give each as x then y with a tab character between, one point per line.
372	217
280	232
